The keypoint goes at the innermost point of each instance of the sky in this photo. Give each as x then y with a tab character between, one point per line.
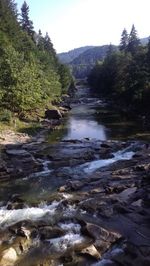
76	23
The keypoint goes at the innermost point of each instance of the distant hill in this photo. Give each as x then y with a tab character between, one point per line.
67	57
92	55
81	60
144	41
82	65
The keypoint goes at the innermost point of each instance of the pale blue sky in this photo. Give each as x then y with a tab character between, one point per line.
76	23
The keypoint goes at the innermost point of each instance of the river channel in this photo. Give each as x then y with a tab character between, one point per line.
92	118
90	121
62	198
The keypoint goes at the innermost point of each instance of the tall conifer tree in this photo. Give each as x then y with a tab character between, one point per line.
124	40
134	41
26	23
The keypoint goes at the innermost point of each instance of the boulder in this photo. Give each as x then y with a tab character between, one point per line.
67	106
48	232
24	232
92	251
15	202
62	189
9	257
75	185
100	233
142	167
103	238
105	145
53	114
137	203
16	152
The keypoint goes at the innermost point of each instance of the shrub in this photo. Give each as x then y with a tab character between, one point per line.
5	116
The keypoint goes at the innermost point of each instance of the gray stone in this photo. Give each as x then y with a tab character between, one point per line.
47	232
101	233
20	152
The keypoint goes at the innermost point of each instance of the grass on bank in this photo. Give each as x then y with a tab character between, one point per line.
29	125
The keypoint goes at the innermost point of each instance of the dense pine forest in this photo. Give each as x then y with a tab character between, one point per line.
31	77
124	75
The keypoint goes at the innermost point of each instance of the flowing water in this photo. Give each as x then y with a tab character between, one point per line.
90	118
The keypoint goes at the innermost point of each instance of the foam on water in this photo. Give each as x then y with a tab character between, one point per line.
66	195
71	227
118	156
60	244
10	217
45	172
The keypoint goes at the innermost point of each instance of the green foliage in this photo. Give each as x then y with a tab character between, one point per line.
133	41
82	65
124	41
20	92
65	77
8	17
26	23
125	76
68	57
30	73
5	116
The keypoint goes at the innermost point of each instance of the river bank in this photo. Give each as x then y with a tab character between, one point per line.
75	201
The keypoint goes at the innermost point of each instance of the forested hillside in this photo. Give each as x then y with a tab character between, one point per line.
124	76
67	57
30	74
144	41
83	59
82	65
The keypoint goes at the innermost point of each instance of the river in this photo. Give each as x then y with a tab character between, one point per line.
55	185
91	118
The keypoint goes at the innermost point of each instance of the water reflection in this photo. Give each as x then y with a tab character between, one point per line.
85	128
90	118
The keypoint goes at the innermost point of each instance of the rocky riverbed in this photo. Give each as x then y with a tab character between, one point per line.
76	202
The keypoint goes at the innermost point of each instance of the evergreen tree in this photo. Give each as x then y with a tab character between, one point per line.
8	19
26	23
110	50
65	77
40	41
124	41
30	73
148	54
125	76
134	41
12	7
48	47
51	53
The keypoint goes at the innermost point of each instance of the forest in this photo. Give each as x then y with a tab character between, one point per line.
31	76
124	75
74	164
